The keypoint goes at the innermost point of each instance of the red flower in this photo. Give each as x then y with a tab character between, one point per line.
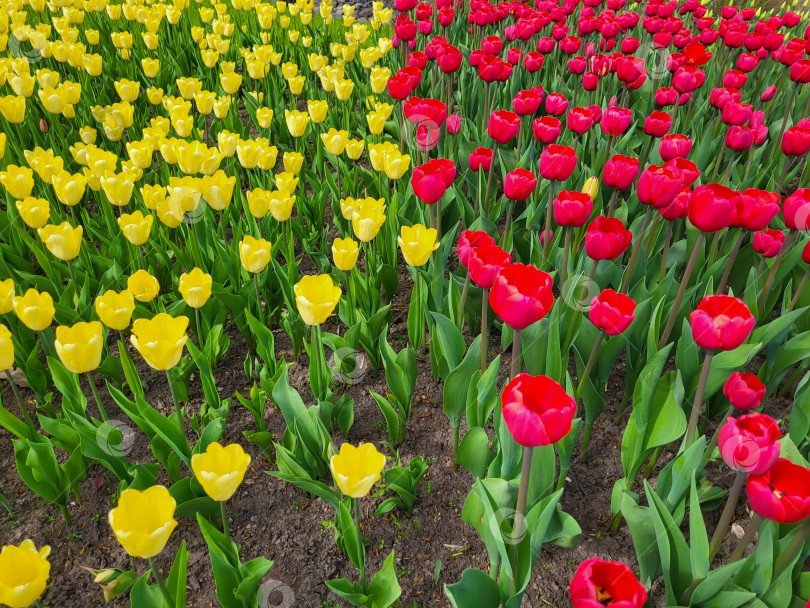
469	241
696	55
615	120
631	71
405	28
739	138
758	208
750	443
521	295
546	129
800	71
453	124
492	45
796	142
620	172
485	263
503	125
480	158
796	210
768	243
537	410
426	139
657	124
674	145
598	583
606	238
449	59
526	102
556	104
557	162
736	113
714	207
579	120
678	209
519	184
431	180
428	112
399	86
572	208
658	186
744	391
721	322
782	494
612	312
533	62
685	168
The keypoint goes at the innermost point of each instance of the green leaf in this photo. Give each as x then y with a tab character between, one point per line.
474	589
455	386
474	453
698	540
384	589
446	338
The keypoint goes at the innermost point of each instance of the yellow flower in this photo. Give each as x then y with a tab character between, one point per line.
264	116
378	152
296	122
376	122
127	89
195	287
254	253
316	298
35	212
69	188
293	161
286	181
396	164
379	79
221	106
53	99
296	84
63	241
281	204
160	340
2	145
12	107
248	151
368	218
152	195
347	207
18	181
230	81
34	309
356	469
24	573
143	521
170	213
185	192
79	347
258	202
6	296
220	469
217	190
118	187
344	253
143	286
317	110
344	89
6	351
154	95
115	309
591	187
335	141
140	153
417	243
354	148
136	227
150	67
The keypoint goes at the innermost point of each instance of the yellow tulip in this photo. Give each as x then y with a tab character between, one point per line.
376	122
143	521
136	227
296	122
6	296
220	469
377	154
221	106
6	350
115	309
143	286
63	241
379	79
44	163
248	151
160	340
296	84
335	141
591	187
258	202
79	347
24	573
185	192
154	95
344	89
230	81
316	297
127	89
53	100
34	309
18	181
267	158
2	145
151	67
286	181
12	107
417	243
281	204
152	195
367	220
344	253
356	469
195	287
69	188
317	110
254	253
354	148
35	212
396	164
347	207
118	187
170	213
293	162
264	116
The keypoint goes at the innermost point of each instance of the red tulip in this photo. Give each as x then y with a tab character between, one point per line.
431	180
620	172
598	583
739	138
696	54
426	139
556	104
800	71
782	494
546	129
572	208
480	159
631	71
796	142
721	322
519	184
449	59
526	103
503	126
658	186
521	295
768	93
657	123
557	162
714	207
674	145
744	391
612	312
537	410
485	263
417	60
399	86
533	62
759	207
686	169
428	112
719	98
615	120
469	241
768	243
579	120
735	79
736	113
796	210
453	124
749	444
492	45
606	238
666	96
405	28
678	209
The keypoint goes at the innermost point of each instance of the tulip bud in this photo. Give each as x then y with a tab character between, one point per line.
591	188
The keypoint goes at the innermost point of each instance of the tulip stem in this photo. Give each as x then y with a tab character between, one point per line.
66	514
750	532
564	266
734	250
92	381
665	255
462	302
799	290
28	420
226	530
160	582
515	363
258	297
772	274
631	265
523	492
729	166
682	290
612	204
728	512
178	412
589	365
198	318
489	177
788	108
547	229
484	328
361	548
698	400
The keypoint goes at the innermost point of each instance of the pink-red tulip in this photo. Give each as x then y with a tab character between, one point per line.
537	410
721	322
782	494
612	312
521	295
744	391
749	444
